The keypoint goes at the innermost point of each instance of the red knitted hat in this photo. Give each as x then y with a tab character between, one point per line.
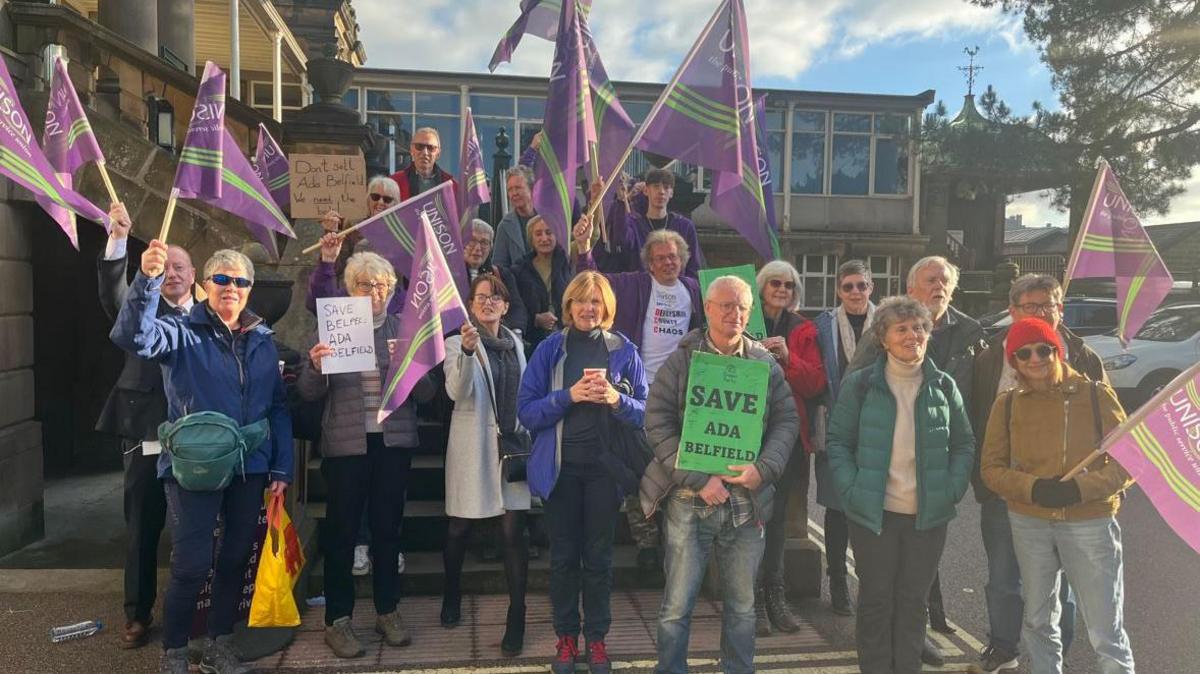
1030	331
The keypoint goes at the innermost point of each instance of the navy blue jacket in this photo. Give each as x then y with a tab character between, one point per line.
206	368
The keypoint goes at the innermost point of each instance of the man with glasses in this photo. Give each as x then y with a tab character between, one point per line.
1031	296
710	513
655	309
423	172
477	250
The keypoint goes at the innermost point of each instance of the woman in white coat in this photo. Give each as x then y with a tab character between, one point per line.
483	372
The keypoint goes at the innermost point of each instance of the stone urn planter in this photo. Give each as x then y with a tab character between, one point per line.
330	78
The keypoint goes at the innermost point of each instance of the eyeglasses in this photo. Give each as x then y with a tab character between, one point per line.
1042	350
484	299
382	197
425	147
663	259
861	286
1035	309
730	307
367	286
226	279
776	283
478	243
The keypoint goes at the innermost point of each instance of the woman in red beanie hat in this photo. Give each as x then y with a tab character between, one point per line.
1037	432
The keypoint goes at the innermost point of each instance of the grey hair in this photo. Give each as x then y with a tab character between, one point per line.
386	184
893	310
529	230
522	171
366	264
735	283
227	257
1030	283
480	225
852	268
777	268
661	237
951	269
430	130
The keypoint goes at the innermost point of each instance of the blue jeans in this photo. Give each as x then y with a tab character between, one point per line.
1089	551
690	540
1003	590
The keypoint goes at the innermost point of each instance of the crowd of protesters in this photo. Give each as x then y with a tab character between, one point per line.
582	352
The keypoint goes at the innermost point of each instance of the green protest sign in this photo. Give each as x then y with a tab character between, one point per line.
756	327
723	416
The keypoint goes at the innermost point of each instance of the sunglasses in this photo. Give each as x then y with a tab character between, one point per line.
226	279
425	147
861	286
1042	350
776	283
382	197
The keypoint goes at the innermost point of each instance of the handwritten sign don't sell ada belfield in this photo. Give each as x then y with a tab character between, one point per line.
723	415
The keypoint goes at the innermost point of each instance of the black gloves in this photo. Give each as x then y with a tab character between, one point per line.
1049	492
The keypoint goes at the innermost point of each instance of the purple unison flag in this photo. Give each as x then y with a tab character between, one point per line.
696	118
271	167
538	17
68	141
394	232
432	308
244	195
739	196
474	178
1113	243
567	127
199	172
1160	448
24	162
614	128
765	175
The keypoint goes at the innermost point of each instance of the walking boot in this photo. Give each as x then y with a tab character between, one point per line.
174	661
931	654
451	614
341	639
762	622
839	596
513	641
219	658
778	610
391	626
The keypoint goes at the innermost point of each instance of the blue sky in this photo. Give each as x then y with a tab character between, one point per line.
868	46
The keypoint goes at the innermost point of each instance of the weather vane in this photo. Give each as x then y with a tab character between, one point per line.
971	68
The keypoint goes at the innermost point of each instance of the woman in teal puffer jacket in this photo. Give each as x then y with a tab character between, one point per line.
901	452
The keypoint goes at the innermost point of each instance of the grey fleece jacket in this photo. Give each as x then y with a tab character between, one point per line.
664	423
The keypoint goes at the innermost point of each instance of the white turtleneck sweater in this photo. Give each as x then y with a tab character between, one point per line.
904	380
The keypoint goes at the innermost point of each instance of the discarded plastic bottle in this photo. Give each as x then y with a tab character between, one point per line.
77	631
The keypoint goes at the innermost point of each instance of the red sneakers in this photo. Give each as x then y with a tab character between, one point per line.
598	662
568	649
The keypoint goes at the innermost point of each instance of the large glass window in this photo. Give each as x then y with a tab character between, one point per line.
775	130
885	275
491	106
808	152
891	154
851	154
405	111
818	273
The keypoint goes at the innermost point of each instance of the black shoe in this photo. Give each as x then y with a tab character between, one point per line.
937	617
992	660
931	654
779	611
839	596
513	641
762	622
451	614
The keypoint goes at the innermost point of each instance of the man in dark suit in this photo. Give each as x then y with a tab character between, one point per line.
133	412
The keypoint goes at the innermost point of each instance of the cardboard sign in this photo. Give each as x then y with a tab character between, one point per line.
756	327
345	324
723	415
320	182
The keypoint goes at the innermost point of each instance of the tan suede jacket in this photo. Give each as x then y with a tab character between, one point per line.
1048	433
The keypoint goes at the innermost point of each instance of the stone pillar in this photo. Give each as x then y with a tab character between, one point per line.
134	20
21	513
177	29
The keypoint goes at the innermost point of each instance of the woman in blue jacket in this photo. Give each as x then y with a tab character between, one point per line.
570	383
901	453
218	357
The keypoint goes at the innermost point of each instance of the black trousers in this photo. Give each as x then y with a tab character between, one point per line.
145	517
377	482
581	515
837	537
895	571
795	476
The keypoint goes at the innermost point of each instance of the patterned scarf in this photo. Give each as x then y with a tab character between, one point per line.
846	333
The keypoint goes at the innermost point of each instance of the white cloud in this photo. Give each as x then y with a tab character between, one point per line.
1185	207
1035	209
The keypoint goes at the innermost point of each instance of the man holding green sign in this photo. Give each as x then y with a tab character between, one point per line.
722	421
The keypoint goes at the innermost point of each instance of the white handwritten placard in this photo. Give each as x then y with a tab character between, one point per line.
321	182
344	323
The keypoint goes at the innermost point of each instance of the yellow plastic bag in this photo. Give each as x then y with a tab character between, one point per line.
279	566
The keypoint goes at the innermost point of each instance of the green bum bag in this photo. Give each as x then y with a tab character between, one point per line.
205	447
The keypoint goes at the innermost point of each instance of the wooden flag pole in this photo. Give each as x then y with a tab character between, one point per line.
167	215
341	235
1082	464
595	178
112	192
